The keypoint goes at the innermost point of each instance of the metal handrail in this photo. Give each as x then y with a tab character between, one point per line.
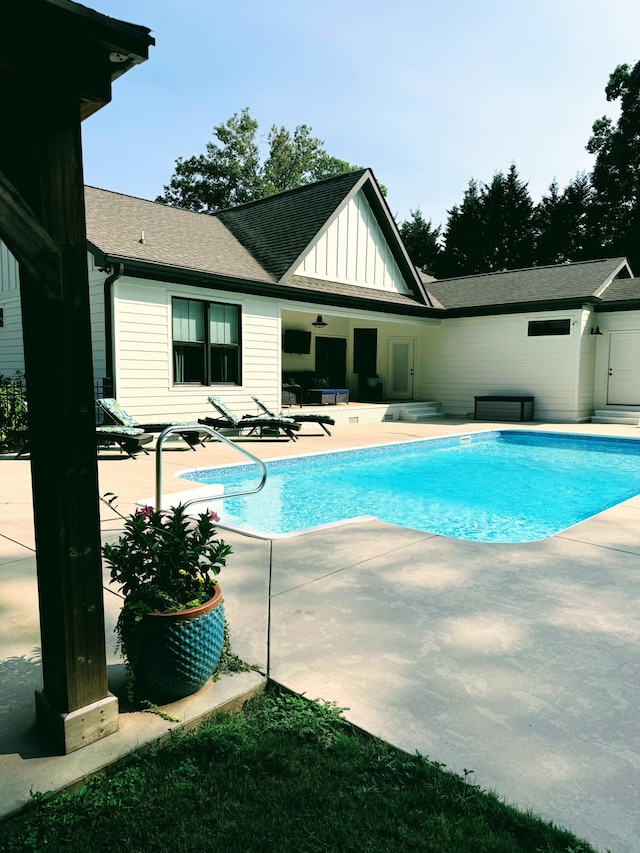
212	432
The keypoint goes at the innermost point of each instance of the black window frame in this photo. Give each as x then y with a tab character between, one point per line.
549	328
227	355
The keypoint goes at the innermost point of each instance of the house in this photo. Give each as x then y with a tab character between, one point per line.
316	283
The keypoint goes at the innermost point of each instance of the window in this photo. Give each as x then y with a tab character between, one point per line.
1	317
538	328
206	342
365	349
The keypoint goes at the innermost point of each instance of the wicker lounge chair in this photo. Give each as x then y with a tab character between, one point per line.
121	418
263	425
322	420
129	439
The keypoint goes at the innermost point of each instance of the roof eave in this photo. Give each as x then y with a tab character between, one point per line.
273	290
620	305
521	307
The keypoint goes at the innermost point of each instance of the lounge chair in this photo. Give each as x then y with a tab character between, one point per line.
322	420
129	439
264	425
121	418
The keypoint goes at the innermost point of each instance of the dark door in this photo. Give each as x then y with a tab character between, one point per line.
331	361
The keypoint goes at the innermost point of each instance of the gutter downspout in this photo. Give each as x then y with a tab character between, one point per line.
117	270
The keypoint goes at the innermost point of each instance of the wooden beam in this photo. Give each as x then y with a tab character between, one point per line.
28	240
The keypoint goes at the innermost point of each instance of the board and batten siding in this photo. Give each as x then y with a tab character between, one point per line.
493	355
96	310
353	250
11	346
143	352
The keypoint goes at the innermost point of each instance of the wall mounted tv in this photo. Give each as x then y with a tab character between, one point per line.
296	341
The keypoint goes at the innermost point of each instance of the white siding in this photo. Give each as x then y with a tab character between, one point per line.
493	355
143	360
353	250
11	346
615	321
587	366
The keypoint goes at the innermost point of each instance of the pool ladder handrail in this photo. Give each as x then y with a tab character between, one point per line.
181	428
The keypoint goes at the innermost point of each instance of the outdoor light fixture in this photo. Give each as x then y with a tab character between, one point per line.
596	331
319	322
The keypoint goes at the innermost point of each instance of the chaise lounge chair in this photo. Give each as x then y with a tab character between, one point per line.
322	420
129	439
121	418
265	425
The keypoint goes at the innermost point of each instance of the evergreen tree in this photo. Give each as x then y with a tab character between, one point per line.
491	230
561	223
507	209
421	241
463	238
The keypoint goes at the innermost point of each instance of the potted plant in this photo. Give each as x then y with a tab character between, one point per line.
171	626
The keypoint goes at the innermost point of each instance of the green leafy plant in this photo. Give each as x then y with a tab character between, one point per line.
165	562
13	411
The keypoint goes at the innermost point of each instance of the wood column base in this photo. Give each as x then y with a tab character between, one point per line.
75	729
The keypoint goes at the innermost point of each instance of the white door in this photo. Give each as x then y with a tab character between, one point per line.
400	380
624	369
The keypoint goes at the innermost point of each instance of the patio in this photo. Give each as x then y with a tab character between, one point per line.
519	662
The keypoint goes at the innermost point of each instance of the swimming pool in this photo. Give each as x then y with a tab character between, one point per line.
498	486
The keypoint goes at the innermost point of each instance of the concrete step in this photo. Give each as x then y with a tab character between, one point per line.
616	416
621	419
420	412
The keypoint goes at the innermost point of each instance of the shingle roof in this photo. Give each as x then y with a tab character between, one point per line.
622	290
172	237
526	286
277	229
338	289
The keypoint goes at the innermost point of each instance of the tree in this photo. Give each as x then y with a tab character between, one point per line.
462	253
421	241
231	171
616	173
491	230
561	223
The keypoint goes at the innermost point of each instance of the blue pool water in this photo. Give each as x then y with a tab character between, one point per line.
501	486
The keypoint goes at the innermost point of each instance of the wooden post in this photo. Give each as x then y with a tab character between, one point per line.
42	158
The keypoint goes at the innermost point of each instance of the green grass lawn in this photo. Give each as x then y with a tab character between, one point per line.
285	775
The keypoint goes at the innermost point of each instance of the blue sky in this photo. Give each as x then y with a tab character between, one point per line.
428	93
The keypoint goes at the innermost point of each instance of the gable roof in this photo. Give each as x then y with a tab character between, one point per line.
622	293
501	292
153	240
279	229
127	229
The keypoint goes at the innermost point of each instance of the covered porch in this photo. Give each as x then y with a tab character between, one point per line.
331	357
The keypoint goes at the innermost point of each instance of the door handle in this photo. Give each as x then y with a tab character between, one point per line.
411	371
610	371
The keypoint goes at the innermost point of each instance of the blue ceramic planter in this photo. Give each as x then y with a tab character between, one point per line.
178	652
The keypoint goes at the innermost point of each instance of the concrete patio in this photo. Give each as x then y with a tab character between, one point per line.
520	663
